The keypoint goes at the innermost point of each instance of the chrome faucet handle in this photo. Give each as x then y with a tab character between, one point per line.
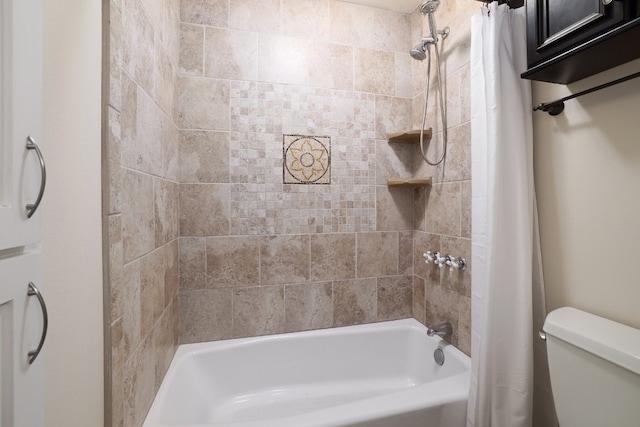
449	261
429	257
457	263
440	260
440	330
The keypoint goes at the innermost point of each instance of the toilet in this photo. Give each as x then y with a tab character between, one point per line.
594	365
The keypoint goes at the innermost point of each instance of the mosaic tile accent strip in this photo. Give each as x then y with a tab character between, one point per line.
262	114
307	159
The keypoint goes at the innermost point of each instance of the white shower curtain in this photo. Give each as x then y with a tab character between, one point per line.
504	224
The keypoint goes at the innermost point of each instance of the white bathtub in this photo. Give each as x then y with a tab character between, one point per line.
377	375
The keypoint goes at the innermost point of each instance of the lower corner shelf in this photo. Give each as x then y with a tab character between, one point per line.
409	182
410	136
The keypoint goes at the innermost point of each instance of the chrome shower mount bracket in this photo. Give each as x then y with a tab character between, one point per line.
444	33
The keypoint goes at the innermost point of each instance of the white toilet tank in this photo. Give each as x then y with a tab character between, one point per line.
595	369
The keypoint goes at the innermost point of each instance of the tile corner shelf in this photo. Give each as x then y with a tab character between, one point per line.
409	137
409	182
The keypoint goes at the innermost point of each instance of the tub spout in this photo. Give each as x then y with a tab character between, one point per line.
440	330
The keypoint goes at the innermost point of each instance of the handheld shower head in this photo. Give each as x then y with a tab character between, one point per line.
429	6
419	52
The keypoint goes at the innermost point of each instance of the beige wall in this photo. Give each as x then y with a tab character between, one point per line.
587	169
71	225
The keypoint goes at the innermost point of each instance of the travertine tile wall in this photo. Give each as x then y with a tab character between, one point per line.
201	94
141	203
258	256
443	212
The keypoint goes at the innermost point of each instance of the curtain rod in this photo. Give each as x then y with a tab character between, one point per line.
556	107
513	4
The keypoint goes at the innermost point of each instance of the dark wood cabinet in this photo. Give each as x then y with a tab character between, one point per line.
568	40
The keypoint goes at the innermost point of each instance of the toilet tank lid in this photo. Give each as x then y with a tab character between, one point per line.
612	341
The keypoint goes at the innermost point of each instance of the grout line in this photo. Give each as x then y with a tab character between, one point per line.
233	300
204	50
333	304
309	260
357	237
284	308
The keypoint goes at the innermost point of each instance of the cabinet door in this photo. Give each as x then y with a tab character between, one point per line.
555	26
21	327
21	170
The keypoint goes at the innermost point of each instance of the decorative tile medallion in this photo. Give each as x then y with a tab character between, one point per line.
307	159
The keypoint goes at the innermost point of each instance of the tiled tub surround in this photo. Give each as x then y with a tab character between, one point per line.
201	95
329	68
260	256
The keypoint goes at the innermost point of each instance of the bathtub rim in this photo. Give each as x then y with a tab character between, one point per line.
202	347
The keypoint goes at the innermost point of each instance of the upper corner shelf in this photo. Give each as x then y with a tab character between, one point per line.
409	137
409	183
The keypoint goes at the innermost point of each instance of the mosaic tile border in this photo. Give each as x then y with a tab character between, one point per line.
260	202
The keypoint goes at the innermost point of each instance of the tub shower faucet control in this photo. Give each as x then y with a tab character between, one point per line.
450	261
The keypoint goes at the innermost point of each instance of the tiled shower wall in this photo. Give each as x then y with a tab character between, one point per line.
258	256
141	203
201	95
443	211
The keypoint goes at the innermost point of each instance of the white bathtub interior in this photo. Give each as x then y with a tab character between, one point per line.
333	377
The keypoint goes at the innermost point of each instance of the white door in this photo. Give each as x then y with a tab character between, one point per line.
22	329
22	178
22	173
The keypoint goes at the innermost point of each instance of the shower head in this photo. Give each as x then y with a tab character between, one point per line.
419	52
429	6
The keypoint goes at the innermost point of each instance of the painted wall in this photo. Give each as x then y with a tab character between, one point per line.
587	172
71	218
587	168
